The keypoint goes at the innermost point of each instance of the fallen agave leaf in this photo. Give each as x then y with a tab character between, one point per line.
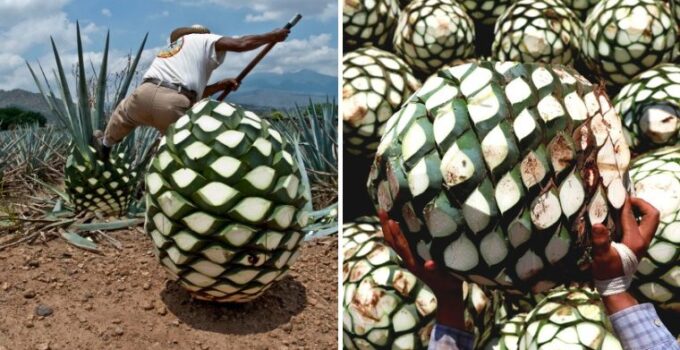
79	241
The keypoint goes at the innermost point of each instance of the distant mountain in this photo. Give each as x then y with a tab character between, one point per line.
286	90
260	92
26	100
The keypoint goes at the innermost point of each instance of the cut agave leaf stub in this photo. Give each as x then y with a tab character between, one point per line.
222	217
503	187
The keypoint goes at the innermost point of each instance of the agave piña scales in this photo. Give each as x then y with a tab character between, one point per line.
224	203
650	108
498	170
623	38
384	305
656	177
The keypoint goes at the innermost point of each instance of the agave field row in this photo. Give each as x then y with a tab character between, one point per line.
499	132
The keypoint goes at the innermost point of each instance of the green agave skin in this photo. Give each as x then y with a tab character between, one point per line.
433	33
485	11
369	23
375	83
650	108
224	203
656	176
384	305
581	7
568	319
97	186
491	170
508	334
537	31
623	38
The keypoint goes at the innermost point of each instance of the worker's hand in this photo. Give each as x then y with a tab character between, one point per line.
279	35
447	289
607	264
230	84
606	260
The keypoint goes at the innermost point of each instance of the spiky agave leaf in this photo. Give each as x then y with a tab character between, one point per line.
624	38
497	171
92	185
375	83
384	305
656	178
569	319
314	128
650	108
537	31
433	33
369	23
225	203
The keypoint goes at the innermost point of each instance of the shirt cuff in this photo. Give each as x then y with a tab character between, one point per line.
639	327
444	337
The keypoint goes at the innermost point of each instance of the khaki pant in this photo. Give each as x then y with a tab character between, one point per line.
149	105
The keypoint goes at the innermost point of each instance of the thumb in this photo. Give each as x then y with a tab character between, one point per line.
600	239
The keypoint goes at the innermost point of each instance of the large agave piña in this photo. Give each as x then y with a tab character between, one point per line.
384	305
650	107
92	184
537	31
568	319
224	203
374	85
369	22
433	33
656	176
623	38
498	170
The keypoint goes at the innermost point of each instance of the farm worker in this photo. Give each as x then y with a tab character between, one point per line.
636	325
176	79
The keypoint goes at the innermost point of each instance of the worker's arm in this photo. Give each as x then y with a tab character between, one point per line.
230	84
251	42
637	325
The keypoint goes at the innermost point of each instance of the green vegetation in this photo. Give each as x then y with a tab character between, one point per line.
12	117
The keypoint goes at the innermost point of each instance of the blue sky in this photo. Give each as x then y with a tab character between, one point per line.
26	25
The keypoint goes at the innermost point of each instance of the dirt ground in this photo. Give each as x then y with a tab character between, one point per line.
123	300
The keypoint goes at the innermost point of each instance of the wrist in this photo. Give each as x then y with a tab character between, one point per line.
618	302
450	310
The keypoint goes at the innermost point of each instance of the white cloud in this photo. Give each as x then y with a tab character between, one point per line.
106	12
314	53
25	30
274	10
162	14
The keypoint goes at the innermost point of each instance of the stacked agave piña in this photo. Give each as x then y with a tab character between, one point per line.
374	85
498	170
537	31
369	22
224	200
92	184
385	306
485	11
433	33
656	176
508	334
568	319
623	38
581	7
650	107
